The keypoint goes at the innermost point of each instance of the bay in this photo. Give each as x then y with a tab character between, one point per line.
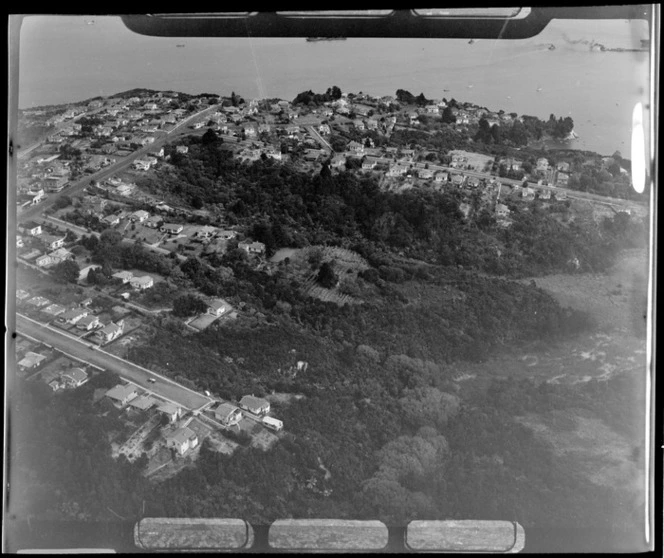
64	59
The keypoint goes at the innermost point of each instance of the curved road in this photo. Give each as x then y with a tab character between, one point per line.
165	387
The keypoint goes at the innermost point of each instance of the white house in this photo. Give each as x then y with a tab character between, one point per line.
252	247
88	323
73	316
255	405
182	439
171	228
124	276
228	414
123	394
218	307
142	283
74	377
110	332
172	411
140	215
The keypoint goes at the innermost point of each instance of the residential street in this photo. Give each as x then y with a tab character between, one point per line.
33	211
164	387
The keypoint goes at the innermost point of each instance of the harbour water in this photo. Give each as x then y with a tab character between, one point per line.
63	59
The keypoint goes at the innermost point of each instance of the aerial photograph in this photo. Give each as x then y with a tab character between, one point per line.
272	288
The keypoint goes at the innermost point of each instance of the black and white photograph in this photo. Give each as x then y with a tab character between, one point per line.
332	281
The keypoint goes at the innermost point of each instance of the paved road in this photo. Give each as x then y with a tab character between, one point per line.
164	387
32	211
320	139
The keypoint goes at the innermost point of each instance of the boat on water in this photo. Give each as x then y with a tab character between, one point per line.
552	47
314	39
539	89
180	46
472	41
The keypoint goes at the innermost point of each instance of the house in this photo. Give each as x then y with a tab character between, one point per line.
372	124
465	208
206	232
413	117
513	164
53	242
228	414
153	222
542	164
545	194
32	228
141	164
425	173
457	180
273	423
264	128
60	255
397	170
182	439
85	303
528	193
441	177
123	394
227	235
355	147
171	228
338	161
255	405
502	210
563	166
45	260
157	152
54	309
19	242
110	332
143	402
252	247
359	125
432	109
74	377
88	323
124	276
562	179
561	195
31	360
182	149
324	129
73	316
39	301
172	411
473	181
111	220
142	283
140	215
218	307
22	295
368	164
250	131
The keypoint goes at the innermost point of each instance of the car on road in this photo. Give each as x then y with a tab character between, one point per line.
152	380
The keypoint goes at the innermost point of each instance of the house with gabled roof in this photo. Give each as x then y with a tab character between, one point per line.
255	405
74	377
227	414
171	410
182	439
31	360
123	394
73	316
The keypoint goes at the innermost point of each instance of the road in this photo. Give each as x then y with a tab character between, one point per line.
164	387
32	211
319	138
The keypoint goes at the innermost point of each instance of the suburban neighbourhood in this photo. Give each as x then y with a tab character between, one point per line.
328	298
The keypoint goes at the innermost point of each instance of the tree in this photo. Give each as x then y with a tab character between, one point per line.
66	271
110	237
326	275
448	116
62	202
188	305
209	137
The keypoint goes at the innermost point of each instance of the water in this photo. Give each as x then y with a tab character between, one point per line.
65	60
